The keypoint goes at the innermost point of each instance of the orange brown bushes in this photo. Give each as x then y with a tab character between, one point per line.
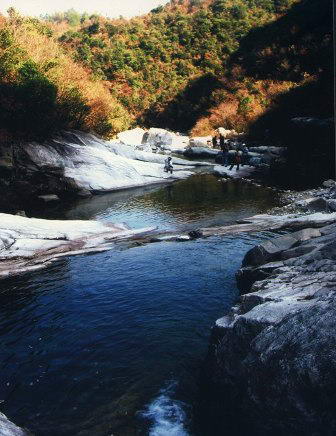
103	113
260	94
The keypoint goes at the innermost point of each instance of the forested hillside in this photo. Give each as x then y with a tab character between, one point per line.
192	65
43	89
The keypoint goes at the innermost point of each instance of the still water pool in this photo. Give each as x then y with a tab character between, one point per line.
112	343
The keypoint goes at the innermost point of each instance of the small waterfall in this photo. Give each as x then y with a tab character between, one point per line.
166	414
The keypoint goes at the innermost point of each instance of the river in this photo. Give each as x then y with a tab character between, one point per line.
112	343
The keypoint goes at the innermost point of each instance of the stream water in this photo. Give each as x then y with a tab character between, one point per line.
111	343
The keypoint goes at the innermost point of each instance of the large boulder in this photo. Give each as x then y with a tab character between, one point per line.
131	137
265	149
313	204
271	250
329	183
159	137
165	140
200	141
229	134
201	152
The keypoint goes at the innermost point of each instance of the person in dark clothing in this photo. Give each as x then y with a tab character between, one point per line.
224	150
225	154
236	161
168	168
214	141
221	141
245	155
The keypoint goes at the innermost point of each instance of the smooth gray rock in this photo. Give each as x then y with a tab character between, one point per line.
74	160
49	198
297	251
328	229
169	238
264	149
27	244
245	277
329	183
314	204
200	152
271	250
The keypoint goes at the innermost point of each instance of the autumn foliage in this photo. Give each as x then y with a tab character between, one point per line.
192	65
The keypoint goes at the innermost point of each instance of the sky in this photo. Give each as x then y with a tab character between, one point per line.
110	8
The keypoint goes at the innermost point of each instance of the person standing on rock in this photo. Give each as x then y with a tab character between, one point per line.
236	161
221	141
168	165
225	153
214	141
245	156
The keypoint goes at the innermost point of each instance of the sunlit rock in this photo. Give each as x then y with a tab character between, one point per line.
166	140
132	137
201	141
31	243
97	165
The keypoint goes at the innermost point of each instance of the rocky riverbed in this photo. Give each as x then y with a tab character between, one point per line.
27	244
272	357
75	164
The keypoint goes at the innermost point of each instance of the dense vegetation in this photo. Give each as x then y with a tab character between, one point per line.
42	89
281	70
192	65
165	67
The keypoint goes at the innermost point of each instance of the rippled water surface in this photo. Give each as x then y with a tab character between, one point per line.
111	343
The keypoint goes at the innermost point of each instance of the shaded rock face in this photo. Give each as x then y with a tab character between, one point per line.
272	361
275	249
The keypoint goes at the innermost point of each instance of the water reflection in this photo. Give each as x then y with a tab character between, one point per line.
201	200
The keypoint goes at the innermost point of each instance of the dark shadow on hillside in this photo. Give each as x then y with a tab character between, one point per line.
310	137
313	99
187	107
297	46
299	42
